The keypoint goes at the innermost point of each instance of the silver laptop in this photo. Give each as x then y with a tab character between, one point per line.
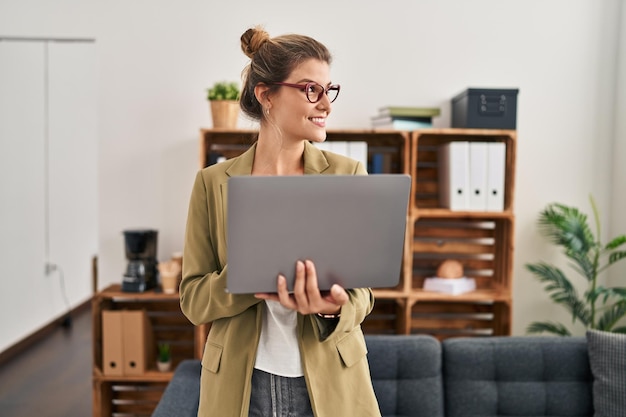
351	226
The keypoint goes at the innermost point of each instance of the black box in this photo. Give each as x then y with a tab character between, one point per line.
485	108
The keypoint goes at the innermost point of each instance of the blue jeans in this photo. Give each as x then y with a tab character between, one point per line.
278	396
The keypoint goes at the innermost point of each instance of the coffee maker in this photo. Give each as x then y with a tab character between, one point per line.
141	253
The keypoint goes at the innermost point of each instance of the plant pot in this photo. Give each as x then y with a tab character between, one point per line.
164	366
224	113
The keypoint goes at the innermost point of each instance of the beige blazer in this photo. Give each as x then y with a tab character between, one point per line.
335	365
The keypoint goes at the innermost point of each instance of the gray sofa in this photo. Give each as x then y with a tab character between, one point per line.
418	376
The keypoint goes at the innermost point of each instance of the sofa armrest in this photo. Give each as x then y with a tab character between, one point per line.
181	395
406	374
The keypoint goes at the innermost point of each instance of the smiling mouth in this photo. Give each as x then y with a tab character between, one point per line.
318	120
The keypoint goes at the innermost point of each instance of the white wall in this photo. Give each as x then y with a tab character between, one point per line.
617	275
156	59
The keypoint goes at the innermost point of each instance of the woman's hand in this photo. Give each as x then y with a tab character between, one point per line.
306	297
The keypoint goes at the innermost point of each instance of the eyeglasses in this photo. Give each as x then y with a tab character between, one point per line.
314	91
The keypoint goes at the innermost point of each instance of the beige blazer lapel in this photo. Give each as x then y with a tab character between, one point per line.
314	161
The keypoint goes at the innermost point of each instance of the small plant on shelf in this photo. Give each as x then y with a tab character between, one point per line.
224	101
164	360
223	90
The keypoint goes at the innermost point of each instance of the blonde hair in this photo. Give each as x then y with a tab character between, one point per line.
272	60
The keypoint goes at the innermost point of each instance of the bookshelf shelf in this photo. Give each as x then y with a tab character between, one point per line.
445	213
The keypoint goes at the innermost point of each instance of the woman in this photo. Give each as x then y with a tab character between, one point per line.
281	354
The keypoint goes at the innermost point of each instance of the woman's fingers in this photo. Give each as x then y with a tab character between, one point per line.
306	297
283	293
300	288
337	295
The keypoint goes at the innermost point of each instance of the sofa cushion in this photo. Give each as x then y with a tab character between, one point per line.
517	376
607	355
406	374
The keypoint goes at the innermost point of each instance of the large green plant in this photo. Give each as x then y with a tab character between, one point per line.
599	307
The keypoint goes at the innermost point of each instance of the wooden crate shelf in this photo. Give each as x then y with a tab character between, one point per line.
483	246
231	143
424	149
127	398
386	317
482	241
137	395
444	319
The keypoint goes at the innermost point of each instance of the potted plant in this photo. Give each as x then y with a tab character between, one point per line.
164	360
598	308
224	100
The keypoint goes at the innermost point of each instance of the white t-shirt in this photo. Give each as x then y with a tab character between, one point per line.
278	351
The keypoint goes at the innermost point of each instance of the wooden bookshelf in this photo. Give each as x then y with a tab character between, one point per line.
481	240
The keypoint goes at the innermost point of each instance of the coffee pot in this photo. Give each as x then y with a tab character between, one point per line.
141	253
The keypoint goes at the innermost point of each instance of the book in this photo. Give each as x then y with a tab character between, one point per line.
352	149
453	286
407	111
400	123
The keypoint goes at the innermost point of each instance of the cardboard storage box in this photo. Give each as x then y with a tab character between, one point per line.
484	108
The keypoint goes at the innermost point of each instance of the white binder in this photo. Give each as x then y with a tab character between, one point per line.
496	162
358	150
324	146
340	147
478	176
352	149
453	170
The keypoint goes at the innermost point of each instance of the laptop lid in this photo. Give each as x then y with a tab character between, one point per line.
351	226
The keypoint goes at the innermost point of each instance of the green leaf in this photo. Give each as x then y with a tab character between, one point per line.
616	242
561	290
164	352
616	256
611	316
554	279
614	292
621	329
567	227
548	327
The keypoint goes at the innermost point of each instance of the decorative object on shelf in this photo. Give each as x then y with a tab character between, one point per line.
454	286
224	101
450	268
164	360
450	279
485	108
567	227
170	273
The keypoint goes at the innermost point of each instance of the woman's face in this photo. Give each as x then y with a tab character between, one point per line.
292	112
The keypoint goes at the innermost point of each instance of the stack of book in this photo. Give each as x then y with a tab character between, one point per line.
404	118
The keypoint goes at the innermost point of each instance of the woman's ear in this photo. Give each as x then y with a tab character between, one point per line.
261	92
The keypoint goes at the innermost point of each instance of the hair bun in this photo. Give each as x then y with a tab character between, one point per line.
253	39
